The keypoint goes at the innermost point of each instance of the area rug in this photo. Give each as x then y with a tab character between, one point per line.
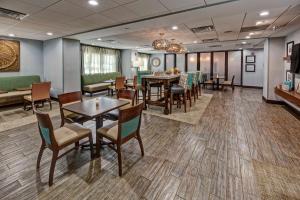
17	117
277	183
193	114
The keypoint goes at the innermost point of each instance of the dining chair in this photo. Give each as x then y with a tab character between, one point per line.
67	116
199	81
40	92
58	139
127	128
119	84
228	83
135	86
180	89
194	86
125	95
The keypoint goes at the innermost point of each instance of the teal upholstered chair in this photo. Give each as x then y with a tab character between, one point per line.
127	127
180	90
58	139
191	85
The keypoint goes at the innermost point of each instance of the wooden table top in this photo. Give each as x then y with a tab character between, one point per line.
163	77
90	109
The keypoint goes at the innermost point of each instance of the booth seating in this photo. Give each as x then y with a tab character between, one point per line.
13	89
92	83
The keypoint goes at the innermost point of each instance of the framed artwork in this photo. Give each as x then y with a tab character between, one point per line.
250	67
250	59
289	76
155	62
289	48
9	56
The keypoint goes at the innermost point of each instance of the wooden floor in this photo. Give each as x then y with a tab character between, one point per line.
242	148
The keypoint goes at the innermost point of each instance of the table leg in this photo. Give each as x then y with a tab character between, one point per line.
144	91
166	97
218	82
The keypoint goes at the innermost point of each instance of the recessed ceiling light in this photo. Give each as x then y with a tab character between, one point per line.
195	42
175	27
244	42
11	35
259	22
93	2
49	33
247	37
264	13
99	39
251	33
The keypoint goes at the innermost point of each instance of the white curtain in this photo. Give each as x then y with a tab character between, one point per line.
144	60
99	60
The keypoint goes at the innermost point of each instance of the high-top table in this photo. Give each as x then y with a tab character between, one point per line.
167	81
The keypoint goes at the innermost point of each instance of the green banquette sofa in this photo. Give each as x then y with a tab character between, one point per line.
13	89
92	83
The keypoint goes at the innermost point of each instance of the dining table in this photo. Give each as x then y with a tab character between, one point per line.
95	108
218	78
167	81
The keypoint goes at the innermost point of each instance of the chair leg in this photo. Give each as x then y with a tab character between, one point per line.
190	98
171	102
32	106
91	146
184	99
194	88
140	143
76	145
52	167
119	159
43	146
50	104
137	96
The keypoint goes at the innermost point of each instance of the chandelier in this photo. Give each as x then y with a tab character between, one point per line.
173	47
182	49
160	44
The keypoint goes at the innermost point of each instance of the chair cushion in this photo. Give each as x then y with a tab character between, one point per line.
96	87
129	84
110	131
177	89
226	83
28	98
15	93
209	82
70	133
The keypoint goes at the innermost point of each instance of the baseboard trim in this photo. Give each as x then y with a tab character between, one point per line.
273	101
287	107
255	87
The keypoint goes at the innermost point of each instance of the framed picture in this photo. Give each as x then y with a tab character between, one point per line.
289	48
9	56
289	76
250	59
250	67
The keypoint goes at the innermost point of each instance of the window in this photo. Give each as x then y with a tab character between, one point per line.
99	60
144	61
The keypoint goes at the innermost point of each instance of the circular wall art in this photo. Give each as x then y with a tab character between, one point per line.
9	56
155	62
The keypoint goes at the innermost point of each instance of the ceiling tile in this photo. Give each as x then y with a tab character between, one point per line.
103	4
115	14
70	9
99	20
146	8
180	4
20	6
40	3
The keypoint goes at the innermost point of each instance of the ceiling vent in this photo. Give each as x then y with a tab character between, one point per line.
12	14
254	28
203	29
210	40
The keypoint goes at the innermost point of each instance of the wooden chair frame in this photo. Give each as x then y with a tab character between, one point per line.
45	121
125	115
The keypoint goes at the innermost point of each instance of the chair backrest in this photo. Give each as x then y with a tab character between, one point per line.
232	80
127	94
120	82
68	98
135	82
183	81
129	121
204	77
45	128
40	91
190	80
